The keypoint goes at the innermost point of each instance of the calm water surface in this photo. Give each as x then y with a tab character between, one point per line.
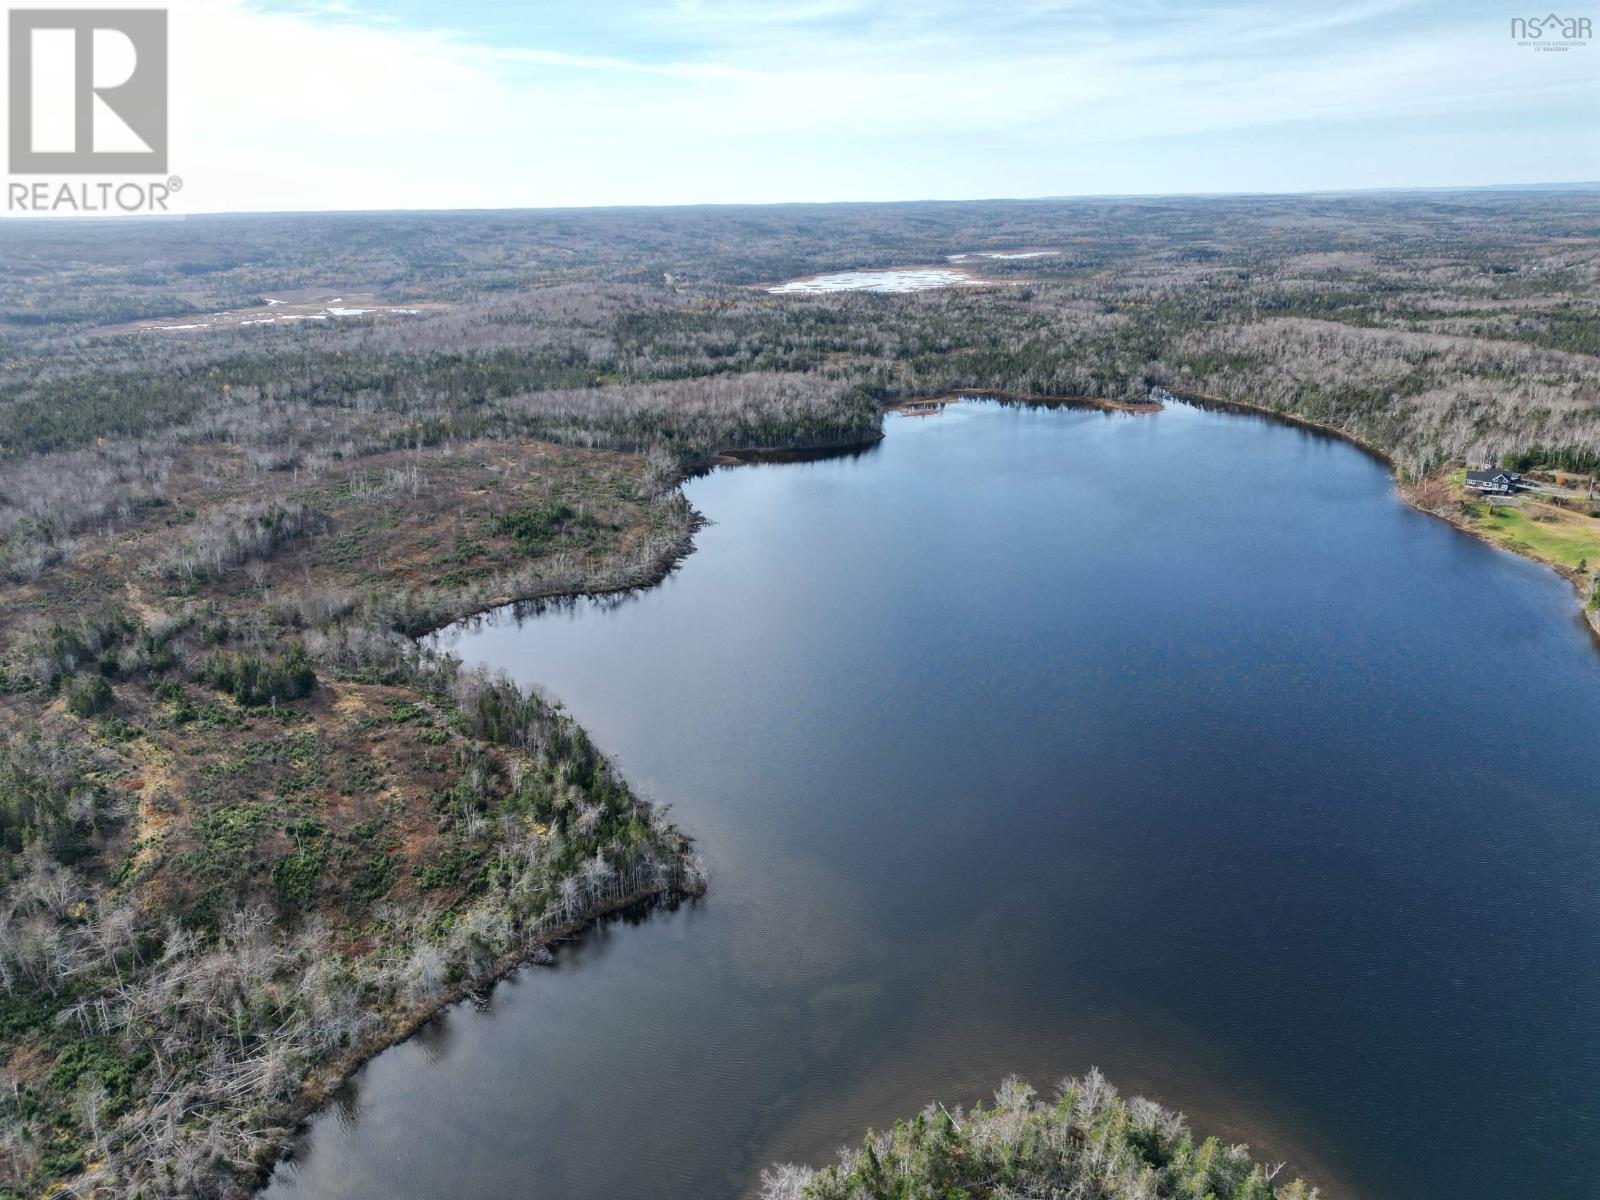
1035	740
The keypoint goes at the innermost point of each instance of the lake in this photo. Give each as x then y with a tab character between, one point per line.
1033	740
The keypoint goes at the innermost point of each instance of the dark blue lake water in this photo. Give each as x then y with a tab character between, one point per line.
1034	740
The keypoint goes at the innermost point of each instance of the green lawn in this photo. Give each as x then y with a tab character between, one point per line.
1565	538
1558	535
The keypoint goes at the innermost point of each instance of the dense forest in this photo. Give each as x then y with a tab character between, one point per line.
252	830
1088	1141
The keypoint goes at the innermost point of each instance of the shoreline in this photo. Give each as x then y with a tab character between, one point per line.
1591	616
907	405
747	455
1246	408
645	576
1406	490
404	1024
400	1025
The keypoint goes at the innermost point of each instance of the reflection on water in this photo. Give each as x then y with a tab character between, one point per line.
1037	740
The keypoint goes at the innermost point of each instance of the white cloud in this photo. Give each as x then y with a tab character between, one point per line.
339	106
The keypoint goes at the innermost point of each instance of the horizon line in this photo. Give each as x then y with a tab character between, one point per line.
163	218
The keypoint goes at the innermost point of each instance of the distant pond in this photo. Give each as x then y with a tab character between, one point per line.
1035	740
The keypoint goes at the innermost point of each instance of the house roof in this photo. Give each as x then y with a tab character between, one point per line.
1492	476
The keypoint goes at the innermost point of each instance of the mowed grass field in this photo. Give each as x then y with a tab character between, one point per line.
1566	537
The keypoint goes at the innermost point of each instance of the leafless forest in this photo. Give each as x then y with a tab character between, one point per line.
250	831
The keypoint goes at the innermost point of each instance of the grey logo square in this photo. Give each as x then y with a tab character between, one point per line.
88	91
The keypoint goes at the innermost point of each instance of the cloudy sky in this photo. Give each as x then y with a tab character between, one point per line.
296	104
